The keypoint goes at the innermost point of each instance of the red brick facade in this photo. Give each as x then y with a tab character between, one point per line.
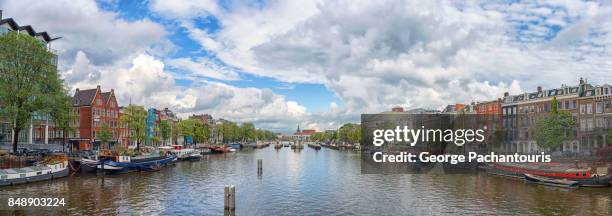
92	109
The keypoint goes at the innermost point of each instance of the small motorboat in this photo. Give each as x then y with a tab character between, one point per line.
181	152
205	151
235	145
195	156
218	149
564	183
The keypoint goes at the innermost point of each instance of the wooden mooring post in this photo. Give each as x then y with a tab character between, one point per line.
259	166
230	198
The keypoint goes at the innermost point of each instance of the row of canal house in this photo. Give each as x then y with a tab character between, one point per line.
589	105
93	108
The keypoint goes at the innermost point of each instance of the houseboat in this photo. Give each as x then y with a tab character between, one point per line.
123	163
315	146
55	166
584	176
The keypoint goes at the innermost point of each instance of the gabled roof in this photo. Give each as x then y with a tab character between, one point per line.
84	97
106	96
11	23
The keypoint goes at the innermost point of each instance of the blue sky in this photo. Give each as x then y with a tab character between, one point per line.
315	97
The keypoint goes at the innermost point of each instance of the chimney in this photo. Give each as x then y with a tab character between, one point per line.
0	14
506	94
77	90
539	89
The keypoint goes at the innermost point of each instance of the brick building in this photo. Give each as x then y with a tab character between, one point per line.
91	109
589	106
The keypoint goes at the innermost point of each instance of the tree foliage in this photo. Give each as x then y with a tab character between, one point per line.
105	134
350	133
165	130
28	80
134	118
60	114
232	132
201	132
552	130
609	138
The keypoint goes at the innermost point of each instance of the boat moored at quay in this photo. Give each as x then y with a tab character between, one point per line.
585	177
55	166
564	183
314	146
181	152
124	164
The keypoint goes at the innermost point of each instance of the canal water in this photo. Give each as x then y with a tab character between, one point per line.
308	182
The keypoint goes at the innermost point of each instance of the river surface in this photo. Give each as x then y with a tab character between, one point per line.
308	182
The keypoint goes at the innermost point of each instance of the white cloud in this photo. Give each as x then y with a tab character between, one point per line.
147	82
185	8
375	54
203	67
102	35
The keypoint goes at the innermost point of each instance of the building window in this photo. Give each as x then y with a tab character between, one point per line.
567	104
599	107
574	104
589	108
607	104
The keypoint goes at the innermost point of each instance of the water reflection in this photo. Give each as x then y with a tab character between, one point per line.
324	182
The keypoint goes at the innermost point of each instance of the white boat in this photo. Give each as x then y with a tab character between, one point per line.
182	153
56	168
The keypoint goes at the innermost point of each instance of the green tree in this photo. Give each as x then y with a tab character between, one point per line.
165	131
185	127
105	135
60	114
201	132
355	134
134	118
345	132
28	77
552	130
609	138
248	131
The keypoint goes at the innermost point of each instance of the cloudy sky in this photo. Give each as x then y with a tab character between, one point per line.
320	63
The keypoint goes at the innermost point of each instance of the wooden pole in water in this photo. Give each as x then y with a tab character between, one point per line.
229	201
259	166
